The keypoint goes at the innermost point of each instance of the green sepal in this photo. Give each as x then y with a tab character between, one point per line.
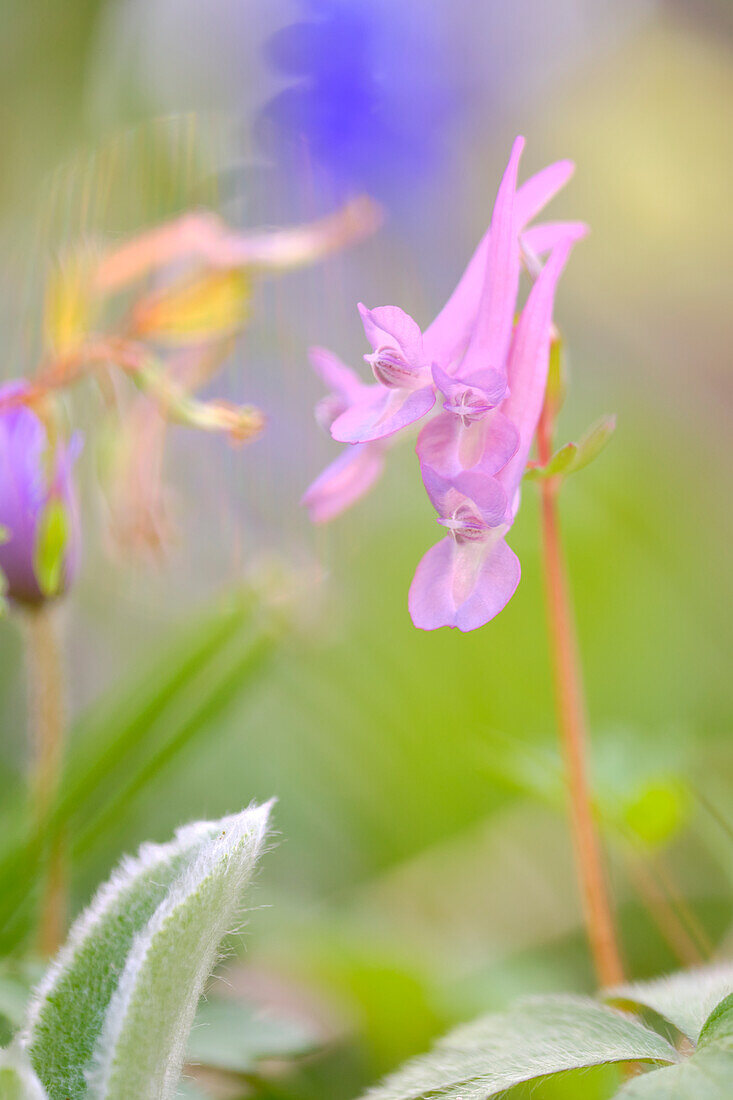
52	539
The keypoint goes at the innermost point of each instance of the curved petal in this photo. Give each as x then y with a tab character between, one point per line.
463	586
542	238
381	412
535	193
528	362
495	585
500	443
430	600
487	381
446	338
391	325
486	493
337	376
341	484
437	444
485	445
492	334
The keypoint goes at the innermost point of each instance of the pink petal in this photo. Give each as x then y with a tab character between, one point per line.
501	441
390	325
544	237
338	377
462	586
529	362
495	585
446	494
380	412
430	600
490	382
534	195
486	445
485	492
491	337
446	338
342	483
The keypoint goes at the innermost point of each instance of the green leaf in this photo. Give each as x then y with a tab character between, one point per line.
140	1050
52	538
574	456
126	740
705	1076
718	1028
68	1010
593	442
708	1073
17	1079
538	1037
232	1036
686	999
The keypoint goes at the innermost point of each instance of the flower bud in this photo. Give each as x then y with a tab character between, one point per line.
39	554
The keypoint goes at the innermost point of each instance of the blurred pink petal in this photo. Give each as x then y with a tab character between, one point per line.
348	478
381	412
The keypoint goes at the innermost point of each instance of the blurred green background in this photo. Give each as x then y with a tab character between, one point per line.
423	869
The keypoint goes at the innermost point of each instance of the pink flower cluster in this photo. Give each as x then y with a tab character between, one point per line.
490	371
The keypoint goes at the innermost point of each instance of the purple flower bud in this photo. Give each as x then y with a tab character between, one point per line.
39	554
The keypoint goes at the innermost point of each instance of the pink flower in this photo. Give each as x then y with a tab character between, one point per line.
468	577
408	364
356	469
404	391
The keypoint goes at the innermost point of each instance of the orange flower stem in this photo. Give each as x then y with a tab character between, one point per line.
572	727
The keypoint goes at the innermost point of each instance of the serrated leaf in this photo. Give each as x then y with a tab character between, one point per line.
52	538
232	1036
141	1048
538	1037
203	308
17	1079
686	999
68	1009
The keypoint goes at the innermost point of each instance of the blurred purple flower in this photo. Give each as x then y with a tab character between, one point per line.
34	478
372	99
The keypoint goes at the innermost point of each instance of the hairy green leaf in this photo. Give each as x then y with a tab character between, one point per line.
140	1050
686	999
125	741
68	1010
538	1037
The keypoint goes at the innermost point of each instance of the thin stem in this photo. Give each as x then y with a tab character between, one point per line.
46	719
571	722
